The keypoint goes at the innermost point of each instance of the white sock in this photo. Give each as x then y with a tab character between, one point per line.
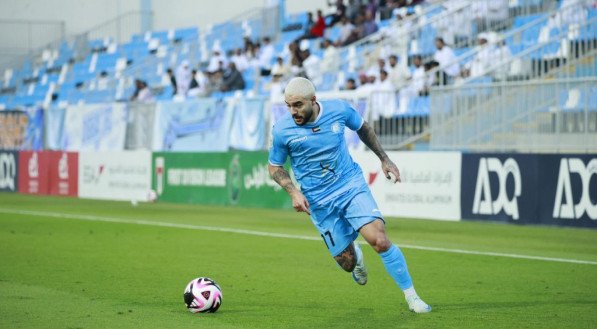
410	292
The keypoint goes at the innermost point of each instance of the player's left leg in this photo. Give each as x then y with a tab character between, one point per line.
374	233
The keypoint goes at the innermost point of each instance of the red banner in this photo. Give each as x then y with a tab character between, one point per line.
63	173
33	172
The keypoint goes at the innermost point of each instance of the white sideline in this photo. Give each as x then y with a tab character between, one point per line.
275	235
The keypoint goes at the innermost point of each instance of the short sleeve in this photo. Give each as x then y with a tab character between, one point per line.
354	121
278	152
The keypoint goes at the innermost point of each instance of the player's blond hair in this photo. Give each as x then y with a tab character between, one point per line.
300	87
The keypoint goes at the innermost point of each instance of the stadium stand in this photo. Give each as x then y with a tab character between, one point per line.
511	41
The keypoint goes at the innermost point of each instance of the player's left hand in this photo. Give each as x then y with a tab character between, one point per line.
388	168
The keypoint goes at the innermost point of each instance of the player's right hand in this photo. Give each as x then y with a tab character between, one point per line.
300	203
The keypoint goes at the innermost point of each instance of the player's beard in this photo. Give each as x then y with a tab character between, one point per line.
304	118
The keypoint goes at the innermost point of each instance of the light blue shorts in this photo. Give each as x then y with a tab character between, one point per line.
340	219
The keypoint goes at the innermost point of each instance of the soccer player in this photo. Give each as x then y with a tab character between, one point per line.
333	190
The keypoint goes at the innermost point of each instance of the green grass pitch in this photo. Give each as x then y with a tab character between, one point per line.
71	263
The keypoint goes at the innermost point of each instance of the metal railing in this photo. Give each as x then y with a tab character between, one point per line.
532	116
21	38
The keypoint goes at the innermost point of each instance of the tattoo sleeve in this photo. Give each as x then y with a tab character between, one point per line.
367	135
282	177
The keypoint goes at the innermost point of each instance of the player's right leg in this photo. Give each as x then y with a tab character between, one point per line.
393	259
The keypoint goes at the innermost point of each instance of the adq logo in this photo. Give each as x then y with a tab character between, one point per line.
8	171
564	206
483	202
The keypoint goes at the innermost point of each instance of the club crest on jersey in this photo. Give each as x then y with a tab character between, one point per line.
315	129
335	127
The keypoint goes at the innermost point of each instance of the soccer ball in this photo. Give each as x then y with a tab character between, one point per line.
203	295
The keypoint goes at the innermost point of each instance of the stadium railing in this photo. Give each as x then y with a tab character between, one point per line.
558	115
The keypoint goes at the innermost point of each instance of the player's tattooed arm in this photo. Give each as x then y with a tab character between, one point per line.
282	177
367	135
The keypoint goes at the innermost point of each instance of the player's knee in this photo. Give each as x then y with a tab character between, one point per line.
381	243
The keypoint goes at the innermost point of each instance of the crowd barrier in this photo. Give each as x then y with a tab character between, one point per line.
552	189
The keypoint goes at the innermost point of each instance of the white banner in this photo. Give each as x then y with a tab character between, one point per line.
94	127
115	175
430	185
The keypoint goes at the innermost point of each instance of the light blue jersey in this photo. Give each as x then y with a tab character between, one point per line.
318	153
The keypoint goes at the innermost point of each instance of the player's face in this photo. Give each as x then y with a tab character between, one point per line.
301	108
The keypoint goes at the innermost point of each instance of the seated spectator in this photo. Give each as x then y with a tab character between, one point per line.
266	56
232	79
311	63
338	14
447	61
375	69
398	73
357	32
317	30
198	86
396	35
346	29
280	68
183	78
383	97
218	60
352	9
350	84
240	60
366	85
369	25
172	79
275	86
142	92
331	59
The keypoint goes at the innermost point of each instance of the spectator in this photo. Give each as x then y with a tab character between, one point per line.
366	84
375	69
398	73
317	30
172	80
346	29
232	79
142	92
350	84
240	60
311	63
447	61
338	14
418	76
397	34
266	56
183	78
275	86
331	59
383	99
217	61
198	86
357	32
352	10
280	68
369	26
